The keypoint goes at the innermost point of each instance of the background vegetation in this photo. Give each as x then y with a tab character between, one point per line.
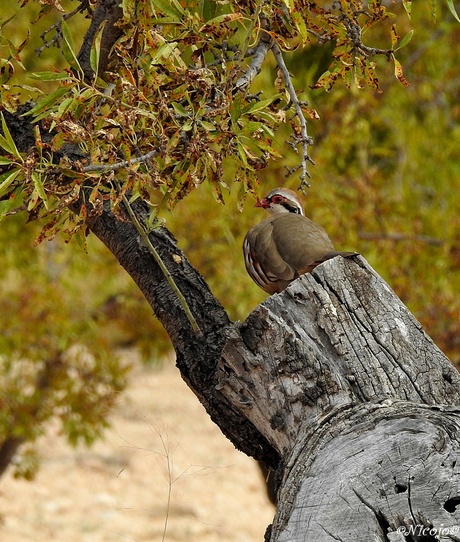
385	183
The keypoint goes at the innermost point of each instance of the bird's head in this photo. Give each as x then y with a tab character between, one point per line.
281	200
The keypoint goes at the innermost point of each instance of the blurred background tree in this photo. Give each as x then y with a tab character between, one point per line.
386	184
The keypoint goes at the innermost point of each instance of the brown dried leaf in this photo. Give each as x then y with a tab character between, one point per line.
399	74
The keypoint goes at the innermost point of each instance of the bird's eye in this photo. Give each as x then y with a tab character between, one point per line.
277	199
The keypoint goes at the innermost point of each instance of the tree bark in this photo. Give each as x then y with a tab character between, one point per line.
333	381
359	403
197	354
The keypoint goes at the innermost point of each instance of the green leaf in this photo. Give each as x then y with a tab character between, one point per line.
180	110
172	8
4	185
450	5
208	126
250	127
242	153
299	22
7	205
46	102
407	6
6	21
289	4
405	40
220	19
208	9
49	76
267	130
38	183
129	9
257	106
67	105
68	48
235	110
166	51
7	142
96	49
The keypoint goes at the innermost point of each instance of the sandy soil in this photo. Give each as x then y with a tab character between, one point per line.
163	461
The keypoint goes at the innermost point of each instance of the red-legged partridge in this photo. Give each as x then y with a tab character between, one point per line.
285	245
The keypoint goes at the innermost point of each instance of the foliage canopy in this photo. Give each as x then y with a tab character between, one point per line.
174	103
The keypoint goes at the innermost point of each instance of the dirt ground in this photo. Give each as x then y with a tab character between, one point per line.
163	465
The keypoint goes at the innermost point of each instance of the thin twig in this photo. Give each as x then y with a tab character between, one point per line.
145	237
57	27
322	38
120	165
304	138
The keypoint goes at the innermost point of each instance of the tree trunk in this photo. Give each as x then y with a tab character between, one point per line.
334	382
360	404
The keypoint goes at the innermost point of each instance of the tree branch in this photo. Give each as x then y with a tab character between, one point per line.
144	235
259	54
197	355
305	140
110	12
105	168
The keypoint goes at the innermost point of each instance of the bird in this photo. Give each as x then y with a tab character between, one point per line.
285	245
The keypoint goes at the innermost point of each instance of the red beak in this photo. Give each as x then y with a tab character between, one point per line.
263	203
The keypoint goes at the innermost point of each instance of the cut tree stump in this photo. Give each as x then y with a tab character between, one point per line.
359	403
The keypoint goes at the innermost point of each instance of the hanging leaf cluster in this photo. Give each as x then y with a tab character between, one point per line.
167	114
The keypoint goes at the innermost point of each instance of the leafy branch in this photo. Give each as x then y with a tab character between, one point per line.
191	102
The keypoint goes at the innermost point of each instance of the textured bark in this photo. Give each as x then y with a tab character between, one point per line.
334	338
346	386
375	472
109	13
197	354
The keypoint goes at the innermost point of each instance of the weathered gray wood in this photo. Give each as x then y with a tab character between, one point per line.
337	337
341	379
374	470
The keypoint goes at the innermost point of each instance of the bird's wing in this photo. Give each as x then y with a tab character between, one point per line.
268	266
299	242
